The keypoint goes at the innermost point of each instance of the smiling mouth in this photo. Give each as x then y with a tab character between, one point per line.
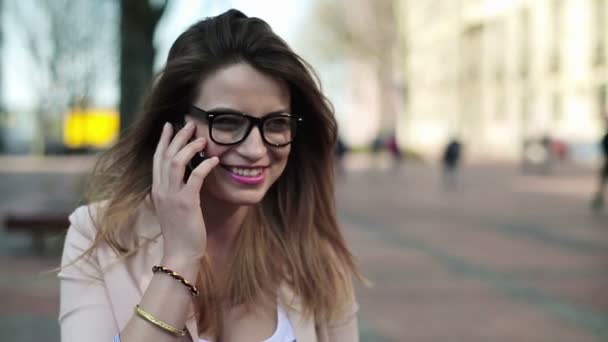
249	172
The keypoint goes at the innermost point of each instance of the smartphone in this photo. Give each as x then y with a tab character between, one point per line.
198	158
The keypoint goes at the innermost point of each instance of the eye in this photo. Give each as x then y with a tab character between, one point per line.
278	124
229	122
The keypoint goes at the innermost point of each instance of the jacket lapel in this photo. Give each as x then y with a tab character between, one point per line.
192	326
303	326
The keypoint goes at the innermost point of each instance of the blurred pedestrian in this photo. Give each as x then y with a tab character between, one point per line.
538	154
341	151
377	145
560	150
394	150
452	155
547	145
598	200
211	219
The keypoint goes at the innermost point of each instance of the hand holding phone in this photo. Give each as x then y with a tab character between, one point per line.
177	202
198	158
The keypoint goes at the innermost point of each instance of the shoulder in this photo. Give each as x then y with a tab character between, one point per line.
92	239
341	327
84	220
87	222
347	308
81	233
84	224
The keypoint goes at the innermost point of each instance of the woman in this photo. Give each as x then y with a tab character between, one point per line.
598	201
212	220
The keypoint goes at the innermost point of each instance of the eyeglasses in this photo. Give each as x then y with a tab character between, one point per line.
231	128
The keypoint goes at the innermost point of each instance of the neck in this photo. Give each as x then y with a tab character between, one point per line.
222	222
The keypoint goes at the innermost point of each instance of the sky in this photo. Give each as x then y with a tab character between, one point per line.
285	17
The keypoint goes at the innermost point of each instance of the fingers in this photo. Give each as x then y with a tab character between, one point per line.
172	156
198	175
159	153
181	159
181	138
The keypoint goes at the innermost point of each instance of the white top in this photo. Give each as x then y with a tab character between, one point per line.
284	331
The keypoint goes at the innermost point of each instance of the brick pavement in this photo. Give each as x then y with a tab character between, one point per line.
504	257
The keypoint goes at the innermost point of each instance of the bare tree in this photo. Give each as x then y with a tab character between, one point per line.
137	26
366	31
72	50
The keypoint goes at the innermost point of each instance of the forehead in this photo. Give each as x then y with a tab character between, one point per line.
241	87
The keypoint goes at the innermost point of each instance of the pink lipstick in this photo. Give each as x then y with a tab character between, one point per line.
248	178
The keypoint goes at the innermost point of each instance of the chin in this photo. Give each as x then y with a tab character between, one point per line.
245	199
240	197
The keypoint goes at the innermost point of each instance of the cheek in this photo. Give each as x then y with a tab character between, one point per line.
211	149
280	162
214	150
202	131
281	155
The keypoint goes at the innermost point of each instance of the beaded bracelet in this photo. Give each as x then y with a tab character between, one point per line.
175	275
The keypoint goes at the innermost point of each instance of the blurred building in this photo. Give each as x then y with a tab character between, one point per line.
354	45
498	72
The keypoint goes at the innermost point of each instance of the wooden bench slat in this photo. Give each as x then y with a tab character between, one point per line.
33	222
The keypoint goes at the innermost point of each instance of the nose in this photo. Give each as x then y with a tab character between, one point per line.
253	147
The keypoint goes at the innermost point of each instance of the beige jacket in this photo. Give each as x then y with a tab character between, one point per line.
98	294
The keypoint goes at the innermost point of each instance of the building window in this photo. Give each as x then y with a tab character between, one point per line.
524	62
499	61
556	34
556	107
602	101
472	40
599	53
525	112
500	113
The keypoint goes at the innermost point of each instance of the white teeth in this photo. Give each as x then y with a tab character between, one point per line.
246	172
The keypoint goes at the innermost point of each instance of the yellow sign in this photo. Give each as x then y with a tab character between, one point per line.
97	128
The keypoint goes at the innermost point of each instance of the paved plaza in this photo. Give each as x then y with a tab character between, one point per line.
500	256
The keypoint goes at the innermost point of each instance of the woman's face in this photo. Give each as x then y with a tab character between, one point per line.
248	169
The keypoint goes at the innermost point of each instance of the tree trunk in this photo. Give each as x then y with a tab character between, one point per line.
138	21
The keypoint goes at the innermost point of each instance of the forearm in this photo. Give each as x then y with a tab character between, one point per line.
167	299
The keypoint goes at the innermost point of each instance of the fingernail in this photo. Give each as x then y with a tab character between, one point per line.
189	125
165	126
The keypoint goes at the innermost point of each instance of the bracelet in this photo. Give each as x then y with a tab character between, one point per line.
157	322
175	275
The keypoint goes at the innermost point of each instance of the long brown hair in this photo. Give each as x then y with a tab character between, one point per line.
292	236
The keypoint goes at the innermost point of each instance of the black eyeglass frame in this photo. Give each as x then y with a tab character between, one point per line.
253	121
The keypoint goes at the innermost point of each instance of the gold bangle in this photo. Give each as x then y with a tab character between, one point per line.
157	322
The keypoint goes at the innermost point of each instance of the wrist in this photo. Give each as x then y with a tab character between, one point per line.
175	275
183	254
186	266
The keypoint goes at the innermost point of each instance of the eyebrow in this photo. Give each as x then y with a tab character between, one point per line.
234	111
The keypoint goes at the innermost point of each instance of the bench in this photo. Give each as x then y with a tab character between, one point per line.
38	225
